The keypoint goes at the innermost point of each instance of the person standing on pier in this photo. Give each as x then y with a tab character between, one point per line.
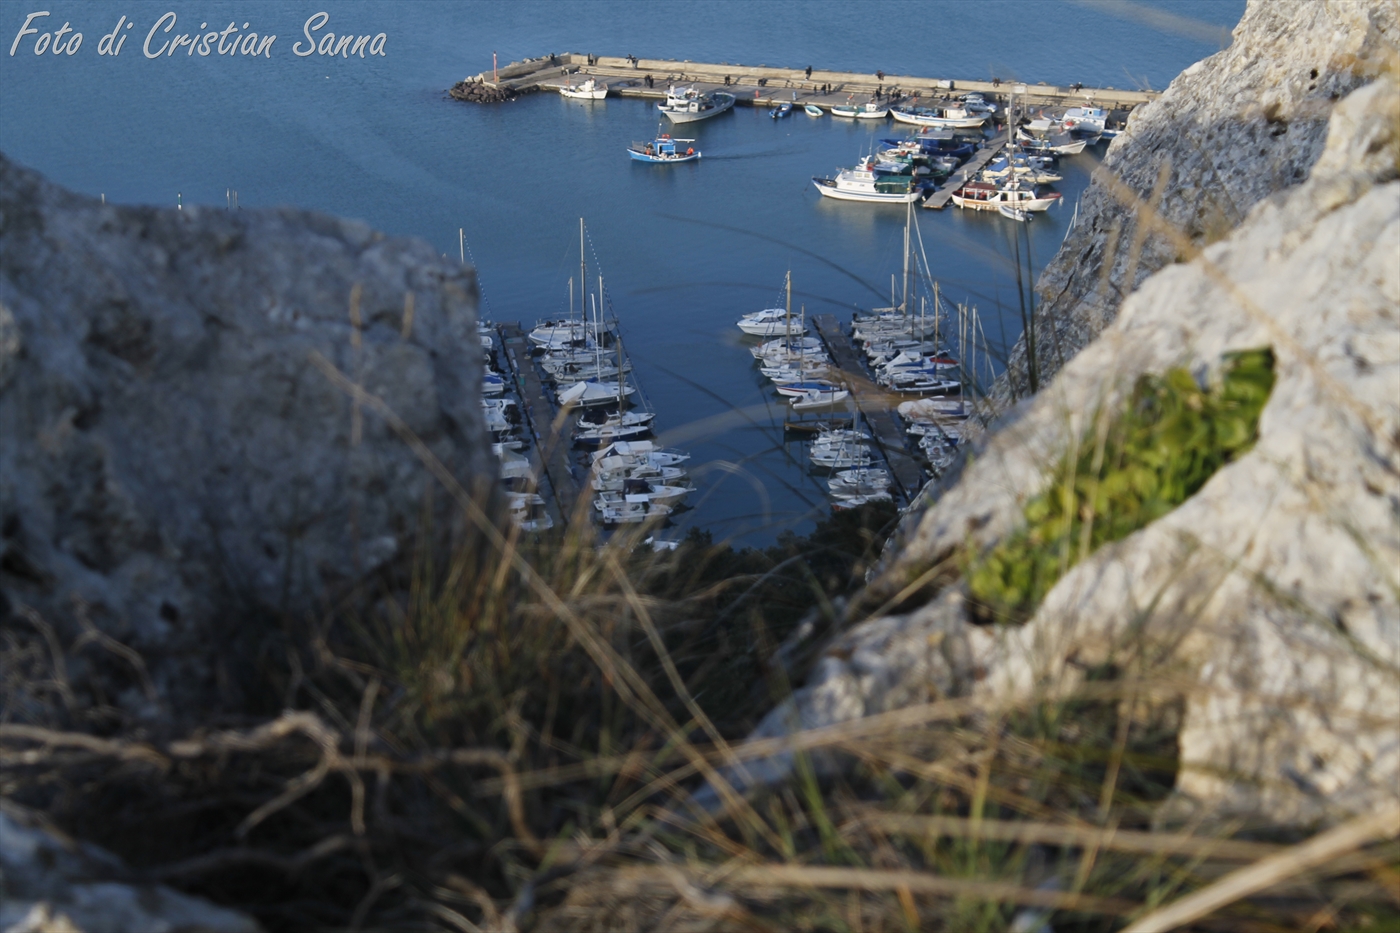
881	76
809	72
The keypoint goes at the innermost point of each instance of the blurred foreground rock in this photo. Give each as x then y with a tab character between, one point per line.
173	467
50	883
1270	596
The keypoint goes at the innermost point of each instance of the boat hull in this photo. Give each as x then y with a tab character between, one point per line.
947	123
831	191
574	94
814	111
661	160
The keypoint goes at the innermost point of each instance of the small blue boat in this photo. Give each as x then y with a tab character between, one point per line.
780	111
664	149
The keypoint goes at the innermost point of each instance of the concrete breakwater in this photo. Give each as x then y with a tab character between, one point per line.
763	86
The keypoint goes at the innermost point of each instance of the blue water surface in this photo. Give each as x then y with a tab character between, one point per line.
684	249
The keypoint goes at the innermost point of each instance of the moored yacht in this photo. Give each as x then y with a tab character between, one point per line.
863	183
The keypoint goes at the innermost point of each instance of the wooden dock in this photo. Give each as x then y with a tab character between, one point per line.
764	86
874	406
968	170
549	455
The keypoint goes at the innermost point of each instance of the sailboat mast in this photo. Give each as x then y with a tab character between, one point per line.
582	277
937	310
908	219
788	325
462	244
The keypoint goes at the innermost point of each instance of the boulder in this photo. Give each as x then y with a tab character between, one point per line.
175	464
1270	596
50	883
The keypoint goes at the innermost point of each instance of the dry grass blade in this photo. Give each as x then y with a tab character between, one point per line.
915	882
1270	871
1029	832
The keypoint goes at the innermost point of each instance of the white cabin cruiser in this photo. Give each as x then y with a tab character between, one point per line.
863	183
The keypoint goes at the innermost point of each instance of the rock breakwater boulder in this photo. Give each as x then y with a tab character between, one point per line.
173	463
475	91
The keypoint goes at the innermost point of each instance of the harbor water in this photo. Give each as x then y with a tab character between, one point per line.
684	249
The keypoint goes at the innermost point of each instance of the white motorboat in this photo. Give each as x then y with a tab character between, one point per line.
800	390
588	394
527	509
1015	213
813	399
686	104
781	346
590	89
862	183
841	505
866	481
660	456
813	110
866	111
618	427
513	465
641	491
633	513
770	322
840	456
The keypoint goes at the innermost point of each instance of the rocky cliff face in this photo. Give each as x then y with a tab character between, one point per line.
173	465
1228	132
1270	596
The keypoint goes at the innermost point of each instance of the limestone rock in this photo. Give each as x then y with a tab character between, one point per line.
1229	131
169	454
1274	588
52	884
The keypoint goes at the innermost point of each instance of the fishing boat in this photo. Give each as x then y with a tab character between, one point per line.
867	111
1015	213
983	196
1087	119
664	149
687	105
590	89
953	118
863	183
813	110
780	111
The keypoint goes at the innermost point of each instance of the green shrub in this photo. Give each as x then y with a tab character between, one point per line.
1171	437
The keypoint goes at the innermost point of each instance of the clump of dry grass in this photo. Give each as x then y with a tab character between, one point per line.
444	733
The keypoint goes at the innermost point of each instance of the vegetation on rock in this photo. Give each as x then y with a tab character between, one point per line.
1125	472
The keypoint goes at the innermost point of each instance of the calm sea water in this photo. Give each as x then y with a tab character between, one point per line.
684	249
